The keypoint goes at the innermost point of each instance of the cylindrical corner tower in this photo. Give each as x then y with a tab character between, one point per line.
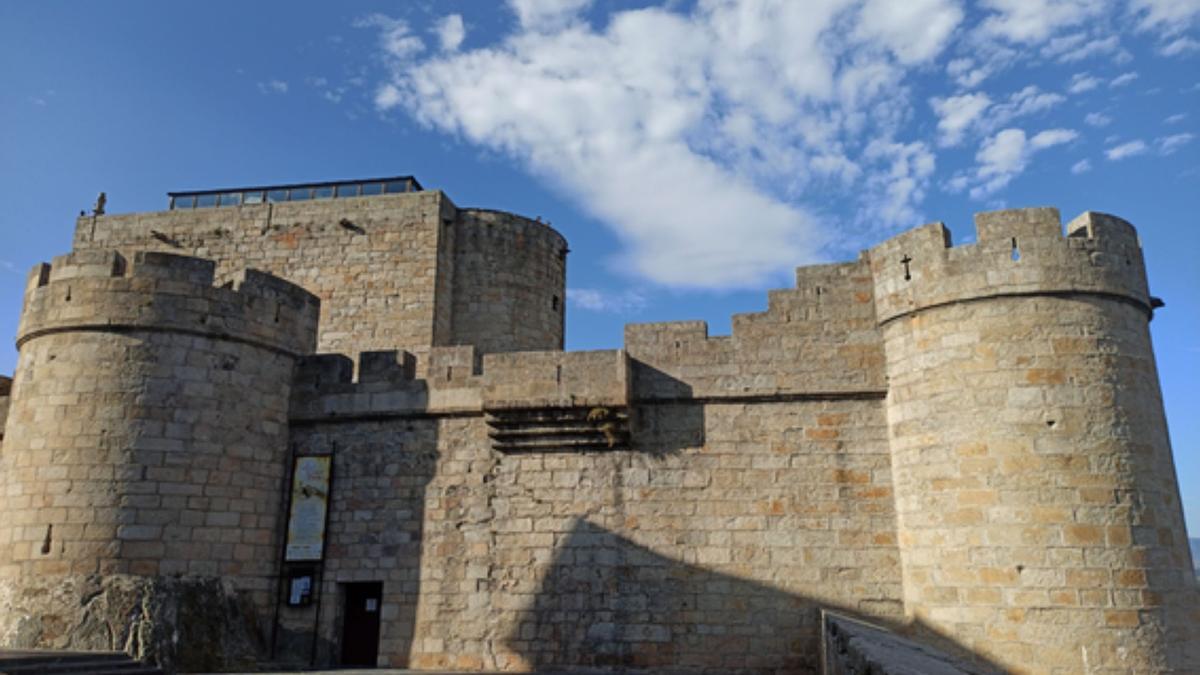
509	281
145	453
1038	509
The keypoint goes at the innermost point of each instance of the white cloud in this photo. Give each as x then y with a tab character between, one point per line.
959	114
1175	119
1169	144
596	300
1032	21
1027	101
1128	149
547	15
1179	46
1079	46
1168	17
1097	120
1123	79
687	131
273	87
1081	82
395	38
1005	155
1082	166
450	32
956	114
1051	137
895	24
387	97
902	182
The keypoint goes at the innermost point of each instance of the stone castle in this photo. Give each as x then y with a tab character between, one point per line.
334	424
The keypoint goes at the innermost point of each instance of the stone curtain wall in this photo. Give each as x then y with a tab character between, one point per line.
400	271
713	554
756	489
140	477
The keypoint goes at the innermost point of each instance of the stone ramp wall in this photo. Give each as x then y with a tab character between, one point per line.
851	647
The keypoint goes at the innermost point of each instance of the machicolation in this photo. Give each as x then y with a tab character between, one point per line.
333	424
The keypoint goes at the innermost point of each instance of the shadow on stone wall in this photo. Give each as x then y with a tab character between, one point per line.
607	602
382	471
666	419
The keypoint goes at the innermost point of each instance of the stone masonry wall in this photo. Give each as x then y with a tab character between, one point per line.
5	388
392	271
756	489
141	473
966	443
372	261
509	280
699	554
1038	509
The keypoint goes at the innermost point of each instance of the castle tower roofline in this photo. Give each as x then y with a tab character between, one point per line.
1016	252
104	290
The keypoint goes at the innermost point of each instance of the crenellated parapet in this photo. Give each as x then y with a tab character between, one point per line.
819	338
103	290
1036	503
386	384
1016	252
561	400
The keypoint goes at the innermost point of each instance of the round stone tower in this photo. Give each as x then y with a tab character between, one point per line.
509	279
144	457
1038	509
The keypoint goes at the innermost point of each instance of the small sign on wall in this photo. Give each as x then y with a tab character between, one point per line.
310	503
300	590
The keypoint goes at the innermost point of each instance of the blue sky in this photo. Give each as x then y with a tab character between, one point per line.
693	153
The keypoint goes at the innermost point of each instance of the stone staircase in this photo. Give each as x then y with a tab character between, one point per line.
49	662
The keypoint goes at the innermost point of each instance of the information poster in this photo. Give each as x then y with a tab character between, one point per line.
310	501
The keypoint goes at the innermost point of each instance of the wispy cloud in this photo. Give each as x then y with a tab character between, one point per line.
1125	150
395	37
1082	166
1179	47
1081	82
1097	120
612	302
450	32
273	87
1175	119
1004	156
1123	79
1169	144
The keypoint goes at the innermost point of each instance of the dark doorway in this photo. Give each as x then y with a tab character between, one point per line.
360	624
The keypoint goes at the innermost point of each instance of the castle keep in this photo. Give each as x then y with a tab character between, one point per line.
334	424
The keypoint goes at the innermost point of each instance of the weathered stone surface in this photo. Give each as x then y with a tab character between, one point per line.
192	624
966	443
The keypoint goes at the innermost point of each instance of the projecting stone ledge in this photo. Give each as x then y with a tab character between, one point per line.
856	648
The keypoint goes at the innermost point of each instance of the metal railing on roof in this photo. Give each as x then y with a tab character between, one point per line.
272	194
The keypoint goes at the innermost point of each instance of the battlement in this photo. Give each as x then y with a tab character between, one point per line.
1016	252
444	381
390	382
98	289
817	338
555	379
